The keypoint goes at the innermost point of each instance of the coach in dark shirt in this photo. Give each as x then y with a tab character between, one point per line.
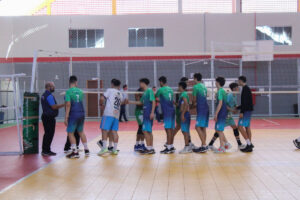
50	112
246	109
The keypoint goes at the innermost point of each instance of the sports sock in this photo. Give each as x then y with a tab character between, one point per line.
248	142
149	147
85	146
104	144
110	144
115	146
137	143
73	147
169	146
142	143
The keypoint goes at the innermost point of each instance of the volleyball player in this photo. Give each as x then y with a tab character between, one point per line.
74	118
200	101
221	114
110	119
185	117
140	145
231	106
246	109
297	142
165	96
148	102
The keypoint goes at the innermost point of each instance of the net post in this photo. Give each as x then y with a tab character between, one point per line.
70	67
212	75
241	67
98	86
183	68
33	72
298	81
180	6
270	86
16	105
126	82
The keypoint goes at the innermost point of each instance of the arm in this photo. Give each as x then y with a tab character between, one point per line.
68	107
52	103
184	109
218	109
152	111
57	106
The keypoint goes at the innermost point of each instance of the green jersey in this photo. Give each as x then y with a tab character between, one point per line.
183	95
166	97
147	99
75	96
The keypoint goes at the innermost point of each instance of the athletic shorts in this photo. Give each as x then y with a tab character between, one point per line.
169	122
245	121
75	123
140	130
230	122
202	120
109	123
220	124
147	125
185	126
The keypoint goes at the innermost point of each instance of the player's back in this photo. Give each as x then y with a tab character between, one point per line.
147	99
75	96
113	102
222	96
166	97
200	92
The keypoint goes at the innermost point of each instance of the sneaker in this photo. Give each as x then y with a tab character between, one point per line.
147	151
67	150
220	150
212	147
87	152
72	155
143	148
200	150
114	152
228	146
102	151
165	151
110	149
248	149
192	146
296	143
50	153
137	147
242	146
186	149
100	144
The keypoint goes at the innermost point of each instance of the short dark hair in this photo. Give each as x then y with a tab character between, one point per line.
163	79
221	81
154	87
182	84
73	79
243	78
198	76
184	79
125	86
116	82
233	85
145	80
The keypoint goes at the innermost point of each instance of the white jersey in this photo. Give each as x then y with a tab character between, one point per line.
114	99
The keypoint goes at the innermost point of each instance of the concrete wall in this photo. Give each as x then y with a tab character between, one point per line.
183	34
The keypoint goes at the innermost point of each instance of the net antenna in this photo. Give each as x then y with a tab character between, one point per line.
15	109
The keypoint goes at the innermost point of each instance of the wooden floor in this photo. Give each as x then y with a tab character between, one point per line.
272	171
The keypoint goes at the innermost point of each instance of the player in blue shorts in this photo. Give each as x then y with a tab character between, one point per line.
231	106
185	117
148	102
110	120
221	114
246	109
200	101
74	118
165	96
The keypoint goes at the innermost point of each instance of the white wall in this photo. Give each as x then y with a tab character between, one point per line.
183	34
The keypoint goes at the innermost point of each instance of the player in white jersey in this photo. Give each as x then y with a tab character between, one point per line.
110	119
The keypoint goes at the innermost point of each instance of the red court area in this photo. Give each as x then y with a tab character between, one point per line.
13	168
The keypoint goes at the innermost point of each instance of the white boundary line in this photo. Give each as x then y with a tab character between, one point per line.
272	122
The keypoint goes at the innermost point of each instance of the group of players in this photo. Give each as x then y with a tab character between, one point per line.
145	106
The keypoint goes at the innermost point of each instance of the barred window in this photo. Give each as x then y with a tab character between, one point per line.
86	38
262	6
280	35
150	37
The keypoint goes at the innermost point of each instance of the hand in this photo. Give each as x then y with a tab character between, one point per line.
66	122
182	118
152	116
216	118
241	115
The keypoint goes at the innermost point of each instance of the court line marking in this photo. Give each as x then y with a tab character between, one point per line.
272	122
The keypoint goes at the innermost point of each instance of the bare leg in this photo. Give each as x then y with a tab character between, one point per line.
248	130
243	132
186	138
202	134
149	138
222	138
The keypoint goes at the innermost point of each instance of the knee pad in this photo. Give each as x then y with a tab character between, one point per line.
236	132
216	135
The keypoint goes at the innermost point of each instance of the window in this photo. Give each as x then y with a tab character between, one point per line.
210	6
90	38
151	37
280	35
260	6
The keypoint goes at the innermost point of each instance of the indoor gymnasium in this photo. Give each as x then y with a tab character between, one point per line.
149	99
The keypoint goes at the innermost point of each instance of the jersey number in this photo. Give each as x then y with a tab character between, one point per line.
117	102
